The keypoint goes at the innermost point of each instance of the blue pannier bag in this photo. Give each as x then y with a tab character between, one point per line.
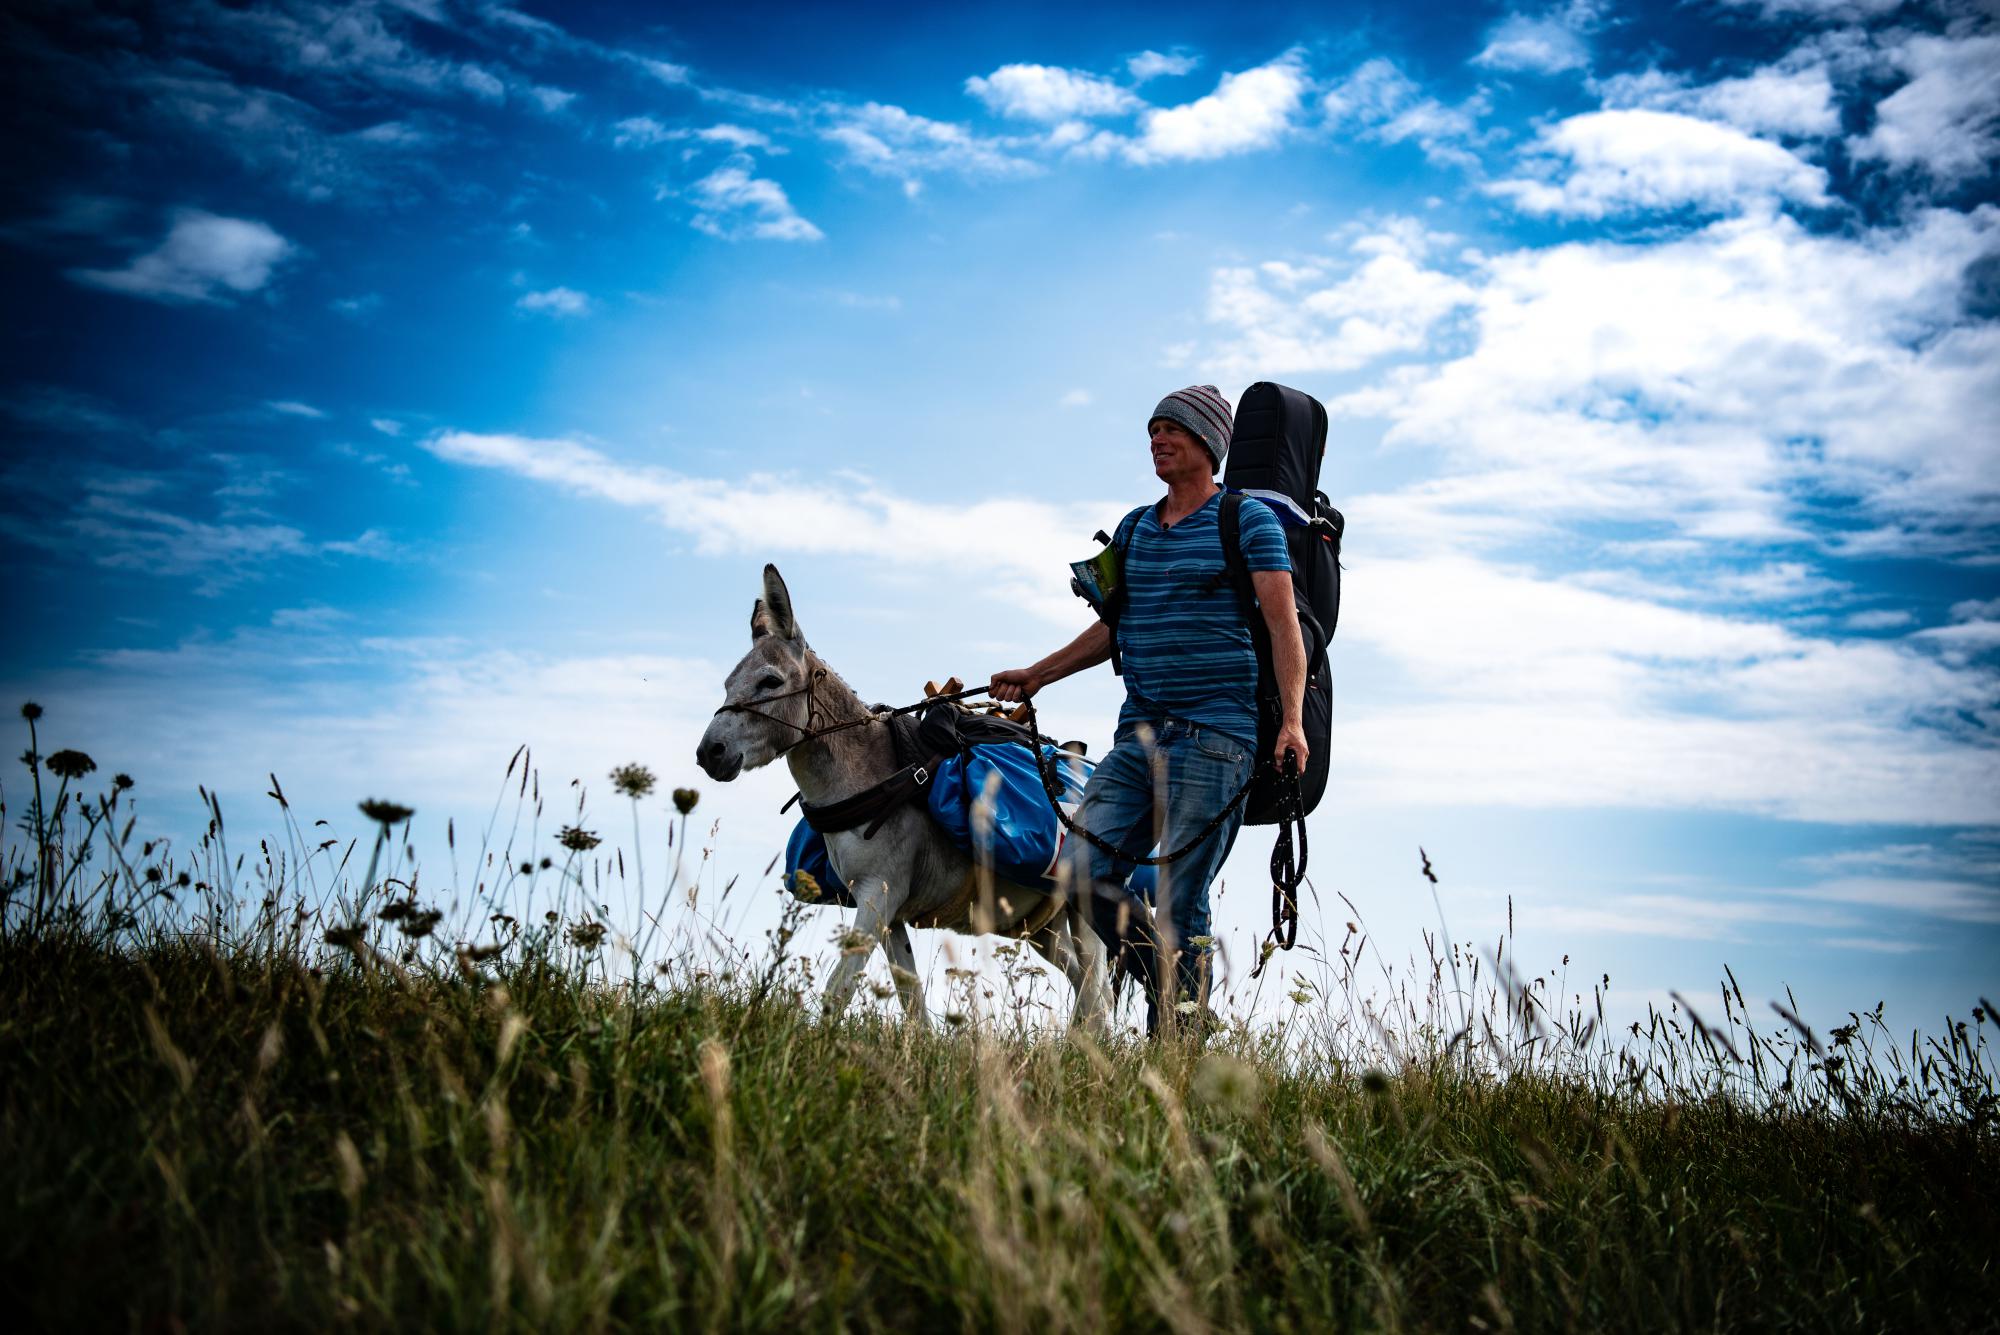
1023	833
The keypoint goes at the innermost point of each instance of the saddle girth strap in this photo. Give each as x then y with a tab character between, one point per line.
873	805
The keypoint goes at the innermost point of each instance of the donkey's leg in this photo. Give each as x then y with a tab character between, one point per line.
1052	944
874	907
1093	998
903	968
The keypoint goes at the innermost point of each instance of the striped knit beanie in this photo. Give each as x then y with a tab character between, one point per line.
1204	412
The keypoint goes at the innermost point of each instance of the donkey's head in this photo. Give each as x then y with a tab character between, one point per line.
767	697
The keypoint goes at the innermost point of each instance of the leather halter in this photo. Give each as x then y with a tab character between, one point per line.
807	733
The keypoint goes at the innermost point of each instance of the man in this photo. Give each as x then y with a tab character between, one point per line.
1190	694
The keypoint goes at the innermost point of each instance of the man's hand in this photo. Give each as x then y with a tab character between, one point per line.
1291	737
1013	685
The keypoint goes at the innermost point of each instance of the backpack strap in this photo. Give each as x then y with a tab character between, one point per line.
1230	524
1114	608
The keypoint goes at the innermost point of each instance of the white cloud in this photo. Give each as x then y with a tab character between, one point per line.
1946	119
1050	93
730	203
641	132
892	142
1149	65
847	516
1961	901
556	301
736	136
1543	45
1788	98
551	100
1607	162
293	408
1881	618
1389	107
1077	398
388	426
1528	691
204	258
1249	110
1285	318
1833	10
1707	384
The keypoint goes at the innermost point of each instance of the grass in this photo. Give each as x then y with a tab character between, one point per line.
306	1113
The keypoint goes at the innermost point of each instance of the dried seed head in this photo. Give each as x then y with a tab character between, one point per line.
586	935
634	781
577	839
386	813
685	799
70	764
1374	1081
31	711
121	781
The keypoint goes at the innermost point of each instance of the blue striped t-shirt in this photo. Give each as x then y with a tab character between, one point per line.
1187	653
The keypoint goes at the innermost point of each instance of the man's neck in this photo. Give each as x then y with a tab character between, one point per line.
1185	497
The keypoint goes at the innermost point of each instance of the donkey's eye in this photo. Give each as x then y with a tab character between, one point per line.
770	683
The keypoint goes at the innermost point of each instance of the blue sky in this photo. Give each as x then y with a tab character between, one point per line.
388	385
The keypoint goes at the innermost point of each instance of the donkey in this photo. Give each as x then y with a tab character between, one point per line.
782	700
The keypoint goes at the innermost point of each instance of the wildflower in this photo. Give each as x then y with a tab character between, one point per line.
1228	1084
586	935
31	711
386	813
121	781
345	938
684	799
29	758
1374	1081
527	867
634	781
1300	996
804	885
1201	943
154	875
182	880
547	863
70	764
396	910
577	840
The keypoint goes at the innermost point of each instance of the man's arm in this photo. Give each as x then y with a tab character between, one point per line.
1085	651
1288	658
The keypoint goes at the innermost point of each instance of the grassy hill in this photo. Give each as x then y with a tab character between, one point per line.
323	1111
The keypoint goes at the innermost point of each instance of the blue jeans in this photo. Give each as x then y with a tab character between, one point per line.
1200	770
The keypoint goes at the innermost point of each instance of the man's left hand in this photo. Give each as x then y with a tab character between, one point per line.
1291	737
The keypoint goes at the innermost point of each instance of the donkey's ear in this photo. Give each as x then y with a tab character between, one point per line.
760	621
777	606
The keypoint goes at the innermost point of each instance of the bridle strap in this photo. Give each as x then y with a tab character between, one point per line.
807	733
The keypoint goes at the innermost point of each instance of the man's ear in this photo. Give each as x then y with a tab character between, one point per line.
777	605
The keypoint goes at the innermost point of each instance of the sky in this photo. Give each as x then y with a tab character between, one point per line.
390	385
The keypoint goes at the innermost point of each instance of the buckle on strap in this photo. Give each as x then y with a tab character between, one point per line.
921	776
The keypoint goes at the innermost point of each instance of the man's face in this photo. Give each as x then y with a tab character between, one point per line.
1177	455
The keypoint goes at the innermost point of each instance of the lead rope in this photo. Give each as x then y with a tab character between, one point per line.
1288	868
1288	871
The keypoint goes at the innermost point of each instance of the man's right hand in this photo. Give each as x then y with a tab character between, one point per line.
1017	684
